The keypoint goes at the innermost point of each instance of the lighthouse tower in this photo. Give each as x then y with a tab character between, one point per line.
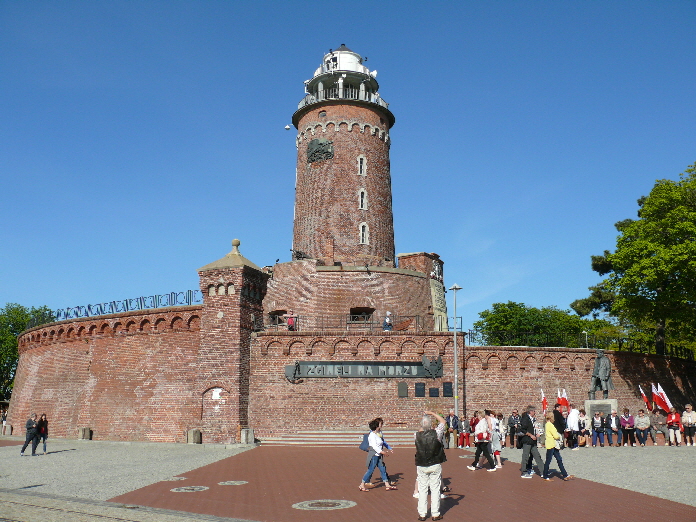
343	199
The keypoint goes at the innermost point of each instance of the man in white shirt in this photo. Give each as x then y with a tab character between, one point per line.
573	425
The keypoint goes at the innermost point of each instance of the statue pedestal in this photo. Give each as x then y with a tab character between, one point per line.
603	405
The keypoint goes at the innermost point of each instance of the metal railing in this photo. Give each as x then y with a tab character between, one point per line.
574	340
363	323
187	298
347	93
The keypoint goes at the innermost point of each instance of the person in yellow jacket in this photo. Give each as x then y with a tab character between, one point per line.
552	449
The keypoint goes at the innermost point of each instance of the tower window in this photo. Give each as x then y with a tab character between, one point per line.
364	234
362	200
362	165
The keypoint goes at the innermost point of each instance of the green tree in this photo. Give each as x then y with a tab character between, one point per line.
652	273
517	324
14	319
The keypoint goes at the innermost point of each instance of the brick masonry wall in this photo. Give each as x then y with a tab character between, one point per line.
327	213
312	291
277	406
126	376
502	378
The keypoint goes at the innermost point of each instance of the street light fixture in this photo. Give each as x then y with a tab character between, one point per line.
455	288
587	345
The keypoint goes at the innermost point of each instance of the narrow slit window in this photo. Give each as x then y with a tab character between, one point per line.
362	165
362	202
364	234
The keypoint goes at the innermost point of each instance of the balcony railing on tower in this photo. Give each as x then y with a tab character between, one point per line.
344	93
349	322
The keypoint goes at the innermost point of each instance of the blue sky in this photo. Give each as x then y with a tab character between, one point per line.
137	139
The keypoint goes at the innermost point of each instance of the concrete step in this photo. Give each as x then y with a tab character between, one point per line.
336	438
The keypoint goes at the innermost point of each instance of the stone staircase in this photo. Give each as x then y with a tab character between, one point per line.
338	438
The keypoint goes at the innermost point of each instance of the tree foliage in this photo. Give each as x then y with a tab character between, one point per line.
652	272
13	321
518	324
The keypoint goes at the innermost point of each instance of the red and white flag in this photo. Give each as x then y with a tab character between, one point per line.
662	394
544	402
645	398
562	399
658	400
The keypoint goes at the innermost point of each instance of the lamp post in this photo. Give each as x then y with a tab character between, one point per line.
455	288
587	345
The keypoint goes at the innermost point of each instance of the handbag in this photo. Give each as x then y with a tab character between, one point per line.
365	444
557	443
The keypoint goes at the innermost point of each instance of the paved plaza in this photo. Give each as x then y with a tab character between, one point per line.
141	482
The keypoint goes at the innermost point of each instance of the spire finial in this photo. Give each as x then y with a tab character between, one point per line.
235	246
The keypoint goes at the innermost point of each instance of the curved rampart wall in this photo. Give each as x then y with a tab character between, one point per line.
316	291
501	378
128	376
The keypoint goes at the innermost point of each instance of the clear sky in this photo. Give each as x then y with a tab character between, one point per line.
137	139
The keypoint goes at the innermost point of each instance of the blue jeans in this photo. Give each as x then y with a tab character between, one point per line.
642	435
597	435
550	453
378	462
611	433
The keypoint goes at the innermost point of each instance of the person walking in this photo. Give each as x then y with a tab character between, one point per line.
553	446
375	456
32	435
430	454
482	438
42	431
529	443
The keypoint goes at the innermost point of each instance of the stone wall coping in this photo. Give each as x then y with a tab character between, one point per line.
351	333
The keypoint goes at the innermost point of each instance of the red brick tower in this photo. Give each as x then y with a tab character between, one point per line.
343	199
234	288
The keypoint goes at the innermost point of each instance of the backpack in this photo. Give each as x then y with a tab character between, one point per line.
365	445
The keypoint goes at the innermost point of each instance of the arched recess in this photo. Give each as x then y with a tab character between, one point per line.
130	326
159	325
319	348
273	347
408	347
430	348
561	362
344	348
473	363
105	329
366	348
297	348
493	362
177	323
216	412
386	349
145	325
194	322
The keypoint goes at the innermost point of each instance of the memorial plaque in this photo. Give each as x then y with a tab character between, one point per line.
403	389
420	389
434	392
364	369
447	389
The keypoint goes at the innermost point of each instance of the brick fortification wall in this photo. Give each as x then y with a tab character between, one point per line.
277	406
129	376
501	378
138	376
313	290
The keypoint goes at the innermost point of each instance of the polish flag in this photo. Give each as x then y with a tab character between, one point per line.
662	394
544	402
562	399
658	400
645	398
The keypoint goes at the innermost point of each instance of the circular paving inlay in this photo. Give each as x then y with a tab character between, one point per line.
189	489
325	504
232	483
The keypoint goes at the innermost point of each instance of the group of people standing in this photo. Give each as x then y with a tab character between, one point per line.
36	431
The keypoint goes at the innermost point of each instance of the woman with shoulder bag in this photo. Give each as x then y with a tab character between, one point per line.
553	446
482	437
